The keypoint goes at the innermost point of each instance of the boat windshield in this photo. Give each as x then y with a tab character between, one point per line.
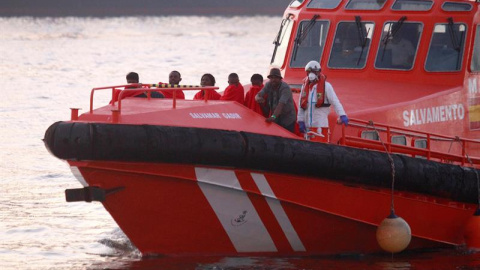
281	42
351	45
475	66
309	42
446	47
398	45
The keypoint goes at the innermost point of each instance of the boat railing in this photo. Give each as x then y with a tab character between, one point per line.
422	144
148	89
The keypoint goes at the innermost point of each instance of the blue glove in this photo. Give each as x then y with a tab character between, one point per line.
301	126
344	119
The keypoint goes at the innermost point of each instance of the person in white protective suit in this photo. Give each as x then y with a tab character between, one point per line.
315	99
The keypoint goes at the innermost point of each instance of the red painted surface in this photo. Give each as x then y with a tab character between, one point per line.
163	210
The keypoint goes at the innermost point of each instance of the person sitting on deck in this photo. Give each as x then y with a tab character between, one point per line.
235	90
279	101
207	80
316	96
133	78
257	85
174	78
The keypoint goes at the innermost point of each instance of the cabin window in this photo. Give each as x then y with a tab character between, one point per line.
475	65
281	42
413	5
324	4
351	45
399	139
365	4
296	3
446	47
398	45
309	42
453	6
370	135
420	143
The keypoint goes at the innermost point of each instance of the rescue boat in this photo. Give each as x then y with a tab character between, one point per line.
209	177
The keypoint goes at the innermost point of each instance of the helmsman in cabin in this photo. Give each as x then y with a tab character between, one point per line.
316	96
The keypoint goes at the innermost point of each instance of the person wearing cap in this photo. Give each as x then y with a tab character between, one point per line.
279	100
316	96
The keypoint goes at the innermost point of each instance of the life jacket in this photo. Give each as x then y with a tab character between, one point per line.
307	87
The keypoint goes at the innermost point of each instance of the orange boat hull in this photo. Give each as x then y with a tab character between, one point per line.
187	210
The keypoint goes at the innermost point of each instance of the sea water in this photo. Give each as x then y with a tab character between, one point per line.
48	65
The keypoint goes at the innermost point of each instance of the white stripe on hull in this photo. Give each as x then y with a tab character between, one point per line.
234	210
76	172
278	211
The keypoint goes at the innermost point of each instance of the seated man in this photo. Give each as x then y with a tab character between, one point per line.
235	90
133	78
174	78
207	80
257	85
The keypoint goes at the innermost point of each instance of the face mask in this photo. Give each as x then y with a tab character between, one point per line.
312	77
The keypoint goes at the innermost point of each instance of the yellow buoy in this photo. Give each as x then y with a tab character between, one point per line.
394	234
472	231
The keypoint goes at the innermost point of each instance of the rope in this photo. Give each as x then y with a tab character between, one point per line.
390	159
392	165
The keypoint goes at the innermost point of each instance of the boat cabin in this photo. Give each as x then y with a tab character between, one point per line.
364	36
409	63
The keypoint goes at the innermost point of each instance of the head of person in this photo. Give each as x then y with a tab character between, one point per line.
312	69
174	77
256	79
207	80
132	77
233	79
398	30
275	77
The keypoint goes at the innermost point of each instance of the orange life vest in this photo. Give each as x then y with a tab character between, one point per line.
307	87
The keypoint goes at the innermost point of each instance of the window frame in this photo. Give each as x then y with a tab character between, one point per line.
476	41
349	1
463	49
299	3
311	1
367	53
432	3
416	48
287	42
456	3
296	36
